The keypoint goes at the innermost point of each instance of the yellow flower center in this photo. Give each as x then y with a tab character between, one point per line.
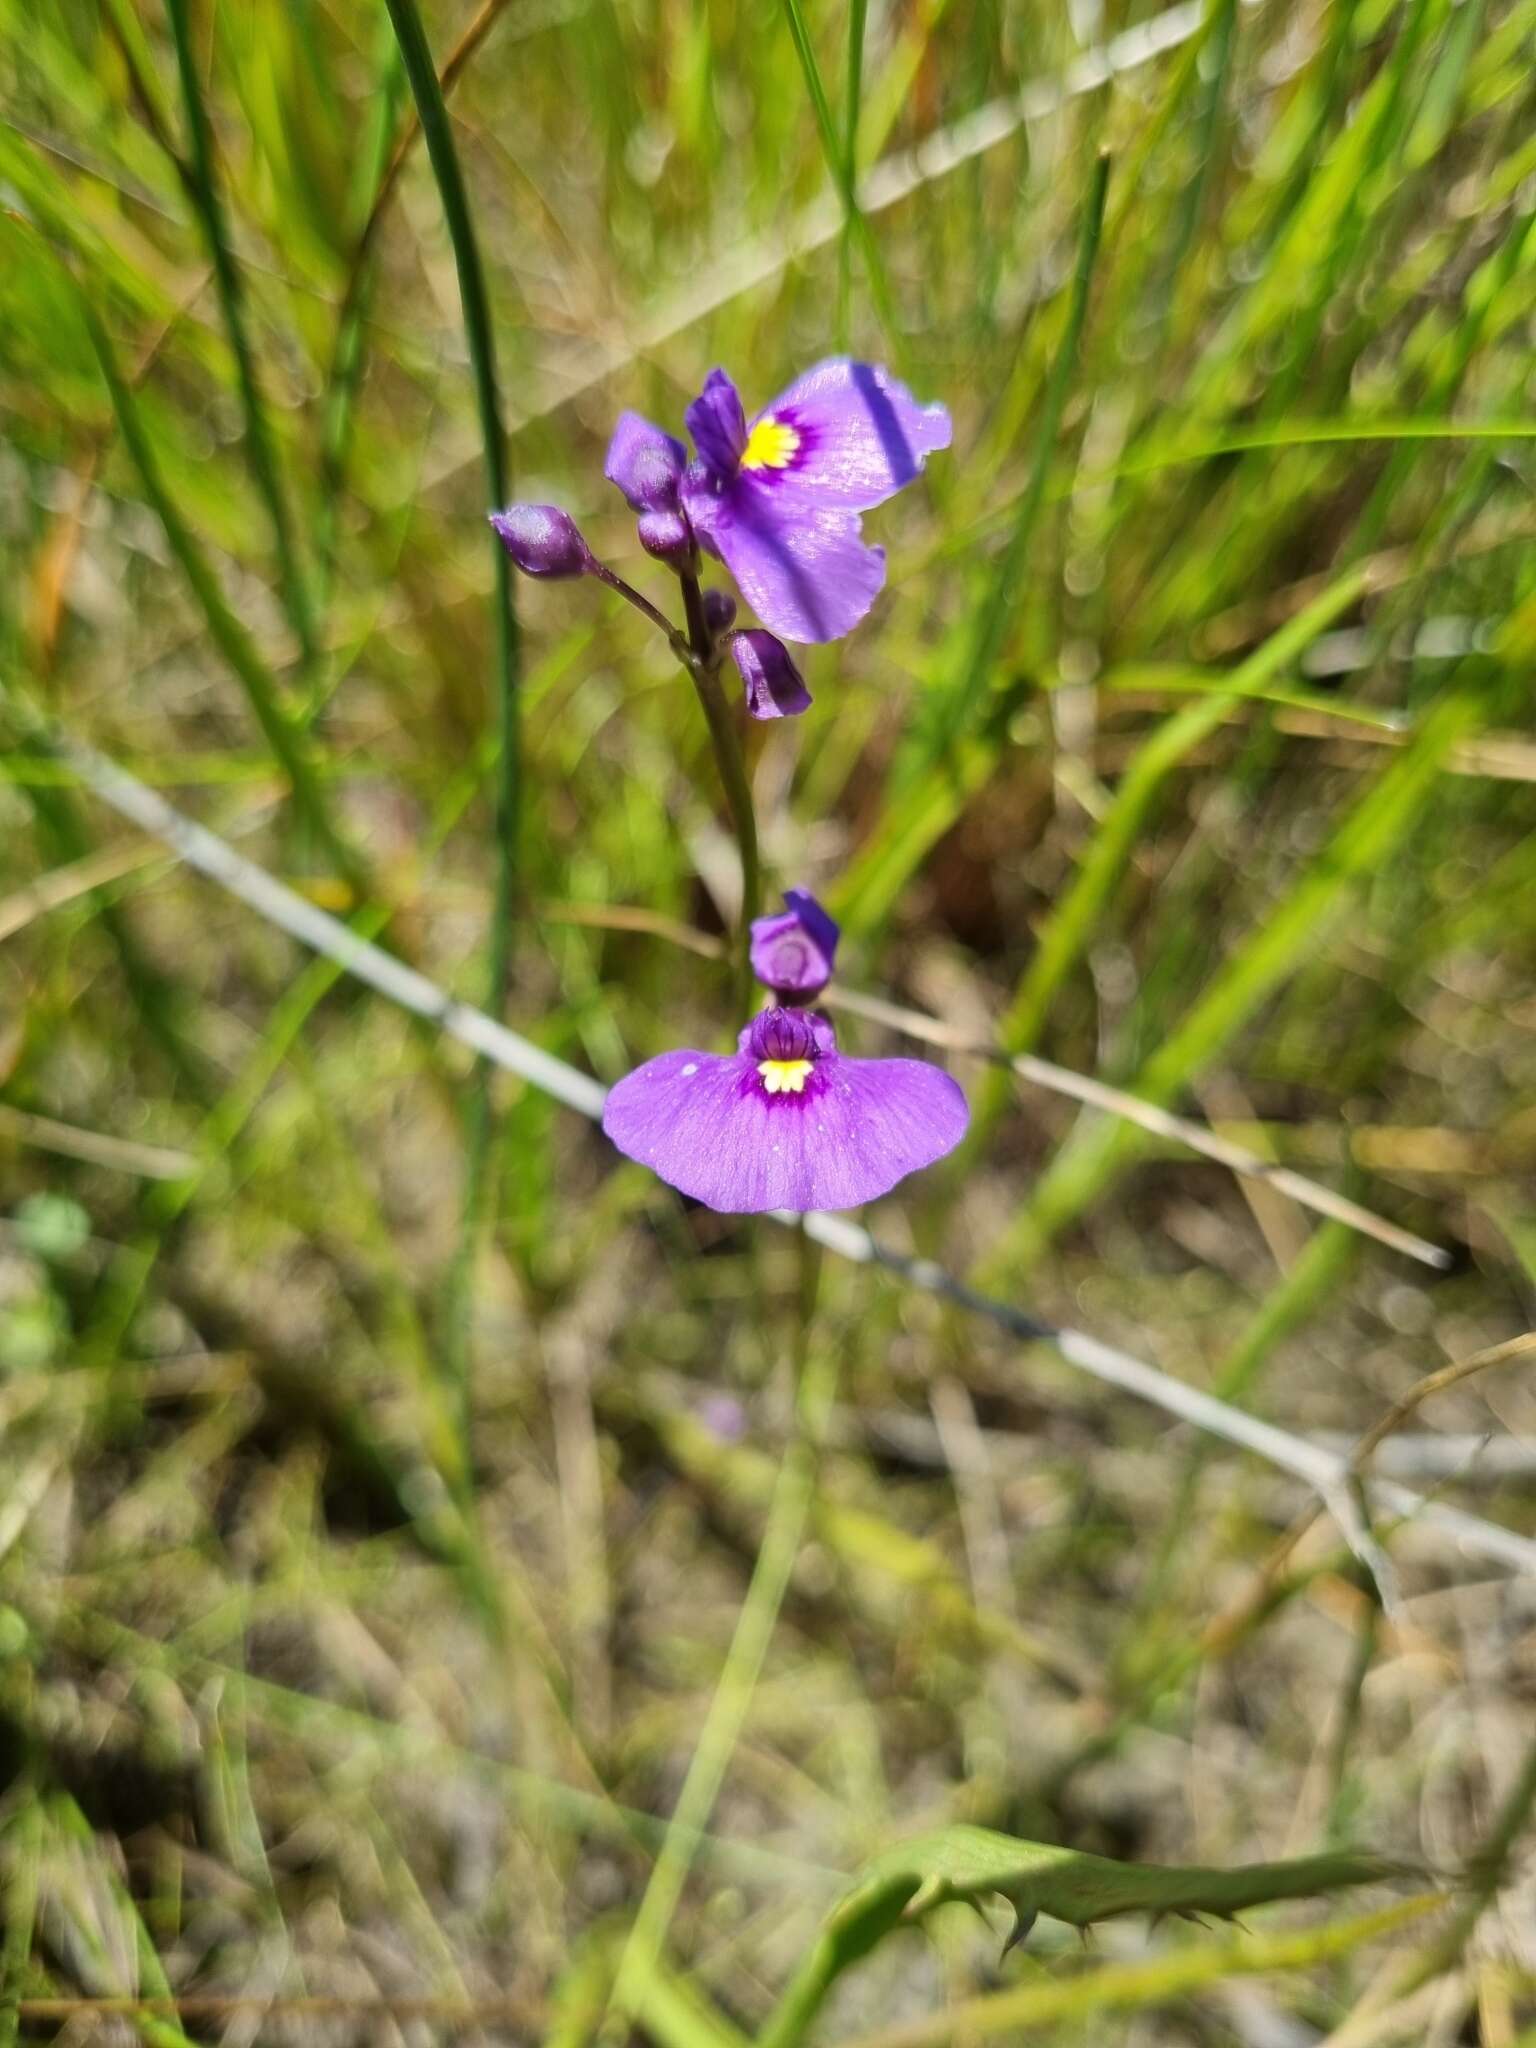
784	1077
772	444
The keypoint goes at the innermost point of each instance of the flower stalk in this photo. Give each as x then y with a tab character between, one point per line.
732	767
815	1371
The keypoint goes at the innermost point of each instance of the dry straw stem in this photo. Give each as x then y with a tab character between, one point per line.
1235	1620
1326	1472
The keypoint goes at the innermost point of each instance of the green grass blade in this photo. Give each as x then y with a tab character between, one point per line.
203	190
958	708
1078	913
432	112
852	100
279	727
840	163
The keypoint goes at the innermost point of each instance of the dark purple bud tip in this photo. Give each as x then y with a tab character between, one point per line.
542	540
719	610
793	954
775	687
667	536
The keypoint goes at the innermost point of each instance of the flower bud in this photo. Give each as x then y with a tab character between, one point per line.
646	464
775	687
542	540
719	610
667	536
792	954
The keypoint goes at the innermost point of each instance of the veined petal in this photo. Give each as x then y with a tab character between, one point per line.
808	576
844	436
707	1126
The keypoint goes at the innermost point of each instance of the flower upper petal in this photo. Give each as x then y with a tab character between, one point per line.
705	1124
808	576
718	424
646	463
845	436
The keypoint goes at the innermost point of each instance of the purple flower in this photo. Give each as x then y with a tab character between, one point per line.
775	687
792	954
786	1121
543	540
647	465
778	497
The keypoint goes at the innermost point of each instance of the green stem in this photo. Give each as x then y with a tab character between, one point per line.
436	132
733	776
203	190
815	1387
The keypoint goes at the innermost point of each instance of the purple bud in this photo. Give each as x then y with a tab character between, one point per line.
718	425
793	953
542	540
719	610
646	464
667	536
724	1418
775	687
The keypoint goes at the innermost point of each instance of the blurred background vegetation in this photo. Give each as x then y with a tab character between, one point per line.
364	1580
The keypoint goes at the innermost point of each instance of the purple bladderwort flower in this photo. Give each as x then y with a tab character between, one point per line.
778	497
775	687
792	954
543	541
786	1121
647	465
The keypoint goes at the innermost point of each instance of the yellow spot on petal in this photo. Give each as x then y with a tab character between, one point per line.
772	444
784	1077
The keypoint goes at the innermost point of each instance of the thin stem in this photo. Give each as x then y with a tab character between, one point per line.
733	775
432	112
815	1388
630	595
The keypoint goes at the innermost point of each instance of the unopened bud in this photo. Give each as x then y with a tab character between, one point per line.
667	536
775	687
793	954
542	540
719	610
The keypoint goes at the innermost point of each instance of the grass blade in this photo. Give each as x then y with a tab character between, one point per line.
432	112
203	189
839	154
959	707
